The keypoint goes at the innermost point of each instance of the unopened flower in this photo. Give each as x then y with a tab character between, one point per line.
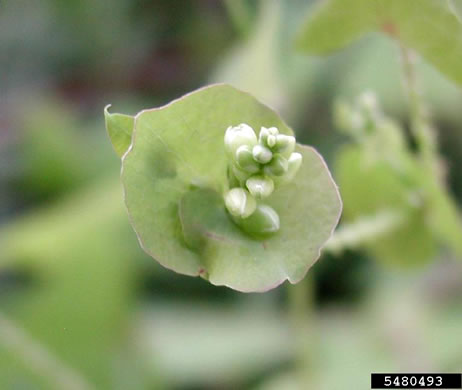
277	167
294	163
260	186
285	144
237	136
267	136
240	203
245	160
271	141
262	154
263	221
256	168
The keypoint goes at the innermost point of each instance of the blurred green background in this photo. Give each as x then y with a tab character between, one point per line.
81	305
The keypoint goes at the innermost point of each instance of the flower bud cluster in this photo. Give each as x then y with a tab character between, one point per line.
381	137
257	166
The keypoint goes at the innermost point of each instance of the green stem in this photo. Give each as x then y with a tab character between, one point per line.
240	15
408	64
300	296
420	122
300	309
364	230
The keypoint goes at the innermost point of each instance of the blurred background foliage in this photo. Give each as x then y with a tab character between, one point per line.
81	306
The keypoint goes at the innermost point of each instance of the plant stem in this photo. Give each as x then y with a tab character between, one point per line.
240	15
300	296
420	124
300	308
365	229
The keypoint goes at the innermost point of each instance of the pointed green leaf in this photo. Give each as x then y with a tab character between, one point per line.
174	177
428	26
119	128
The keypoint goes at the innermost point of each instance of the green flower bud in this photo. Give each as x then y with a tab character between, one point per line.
233	181
263	221
294	163
245	160
260	186
277	167
285	144
263	136
240	174
266	133
271	141
238	136
262	154
240	203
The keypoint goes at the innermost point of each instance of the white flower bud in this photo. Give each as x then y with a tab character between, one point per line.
277	167
245	160
240	203
271	141
294	163
238	136
240	174
263	136
262	154
285	144
263	221
260	186
267	136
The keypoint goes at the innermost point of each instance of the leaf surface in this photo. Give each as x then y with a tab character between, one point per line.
428	26
174	176
120	129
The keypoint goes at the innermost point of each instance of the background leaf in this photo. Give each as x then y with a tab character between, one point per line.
335	24
371	187
260	51
178	148
456	8
427	26
83	283
443	216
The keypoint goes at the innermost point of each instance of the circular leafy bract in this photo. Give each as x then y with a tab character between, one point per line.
174	176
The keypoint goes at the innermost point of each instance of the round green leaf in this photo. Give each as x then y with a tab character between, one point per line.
174	176
428	26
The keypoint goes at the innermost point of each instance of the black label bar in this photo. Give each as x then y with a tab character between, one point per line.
416	381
